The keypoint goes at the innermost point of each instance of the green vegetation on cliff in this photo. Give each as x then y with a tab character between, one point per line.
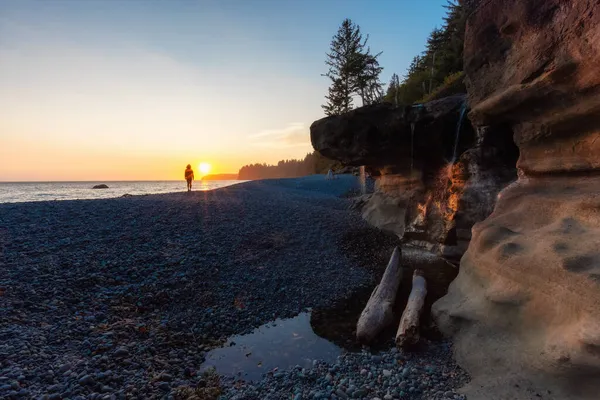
437	72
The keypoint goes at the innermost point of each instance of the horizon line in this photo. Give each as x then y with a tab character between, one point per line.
118	180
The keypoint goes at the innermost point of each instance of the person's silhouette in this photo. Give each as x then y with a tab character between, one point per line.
189	177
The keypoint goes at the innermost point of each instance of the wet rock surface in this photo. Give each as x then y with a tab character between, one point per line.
435	176
122	298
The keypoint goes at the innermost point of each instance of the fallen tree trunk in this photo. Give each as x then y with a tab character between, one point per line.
408	330
378	313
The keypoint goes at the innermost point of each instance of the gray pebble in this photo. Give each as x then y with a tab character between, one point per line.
121	352
87	380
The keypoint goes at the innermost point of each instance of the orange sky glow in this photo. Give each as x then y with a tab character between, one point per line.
81	103
135	90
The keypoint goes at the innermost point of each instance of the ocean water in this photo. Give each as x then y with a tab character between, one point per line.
15	192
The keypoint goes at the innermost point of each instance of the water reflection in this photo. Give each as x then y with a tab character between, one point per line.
337	323
322	333
282	344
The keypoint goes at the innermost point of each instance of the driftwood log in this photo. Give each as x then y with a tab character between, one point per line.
408	331
378	313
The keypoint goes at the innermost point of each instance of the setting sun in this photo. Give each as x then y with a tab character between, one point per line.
204	168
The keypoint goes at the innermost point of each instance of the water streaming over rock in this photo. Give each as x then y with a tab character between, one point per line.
463	110
363	180
412	148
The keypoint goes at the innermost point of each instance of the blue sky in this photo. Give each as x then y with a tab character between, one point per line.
152	84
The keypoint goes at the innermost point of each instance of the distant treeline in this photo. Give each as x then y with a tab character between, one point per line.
313	163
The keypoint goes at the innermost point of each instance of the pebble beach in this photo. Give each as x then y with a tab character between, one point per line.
123	298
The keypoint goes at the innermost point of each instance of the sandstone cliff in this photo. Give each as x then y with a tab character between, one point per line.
524	311
437	176
528	295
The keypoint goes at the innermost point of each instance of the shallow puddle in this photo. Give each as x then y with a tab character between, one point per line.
285	343
282	344
338	322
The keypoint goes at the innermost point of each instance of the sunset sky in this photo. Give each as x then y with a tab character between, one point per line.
127	90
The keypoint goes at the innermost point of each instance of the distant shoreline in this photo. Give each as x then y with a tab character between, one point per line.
220	177
18	192
99	181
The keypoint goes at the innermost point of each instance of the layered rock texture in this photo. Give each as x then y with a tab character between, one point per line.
436	176
524	310
527	296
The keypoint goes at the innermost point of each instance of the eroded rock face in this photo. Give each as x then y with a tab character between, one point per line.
414	152
381	134
534	64
524	310
430	188
528	294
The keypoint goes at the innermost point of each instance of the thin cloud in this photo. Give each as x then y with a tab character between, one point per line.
295	134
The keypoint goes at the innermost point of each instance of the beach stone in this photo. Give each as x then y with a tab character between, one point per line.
133	284
165	377
87	380
121	352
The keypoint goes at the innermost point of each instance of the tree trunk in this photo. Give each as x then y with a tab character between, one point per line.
408	331
378	313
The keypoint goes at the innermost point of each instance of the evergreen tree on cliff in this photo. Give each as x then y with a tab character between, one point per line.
352	70
393	91
437	71
368	86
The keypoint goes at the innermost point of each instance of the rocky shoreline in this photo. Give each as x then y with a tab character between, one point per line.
122	298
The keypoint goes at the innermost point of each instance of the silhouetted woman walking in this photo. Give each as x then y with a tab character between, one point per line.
189	177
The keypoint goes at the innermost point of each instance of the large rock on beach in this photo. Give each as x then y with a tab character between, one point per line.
436	175
382	134
524	311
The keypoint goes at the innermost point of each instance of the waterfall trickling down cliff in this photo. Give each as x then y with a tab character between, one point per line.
363	180
412	148
463	110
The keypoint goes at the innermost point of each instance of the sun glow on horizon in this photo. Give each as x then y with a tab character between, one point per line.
204	168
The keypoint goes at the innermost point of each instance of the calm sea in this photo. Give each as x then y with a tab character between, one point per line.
14	192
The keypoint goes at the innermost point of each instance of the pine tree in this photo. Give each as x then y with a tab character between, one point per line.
338	98
352	70
368	86
442	59
393	90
